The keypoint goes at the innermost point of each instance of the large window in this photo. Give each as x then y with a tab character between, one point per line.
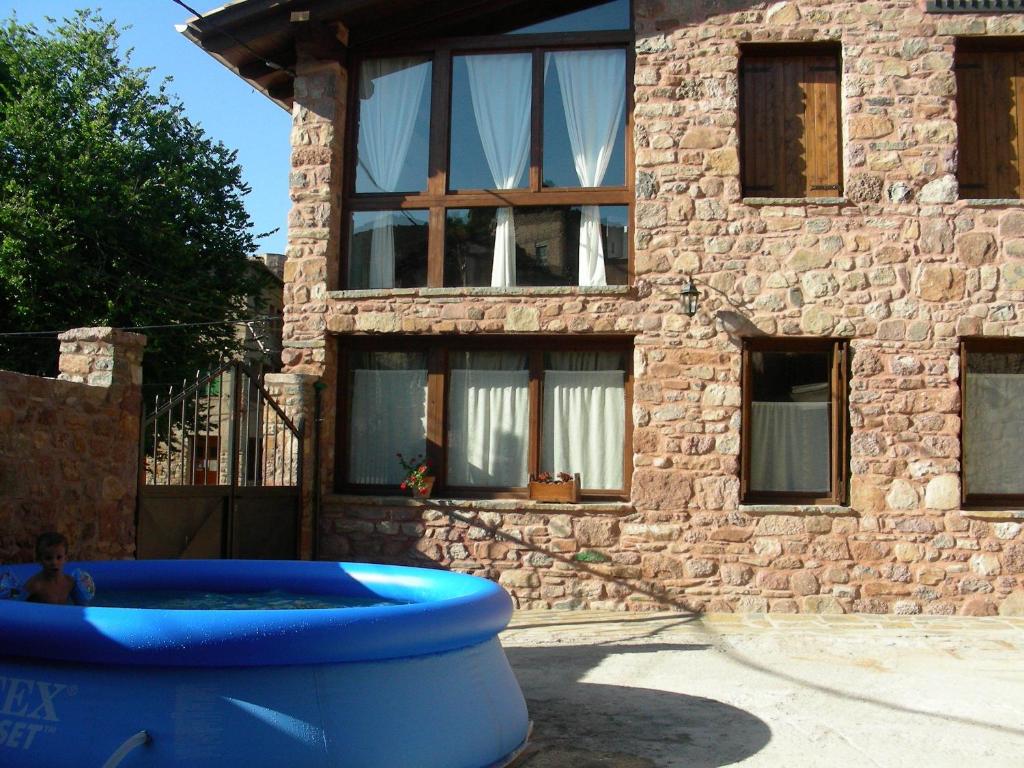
487	413
990	96
993	421
794	421
789	121
488	140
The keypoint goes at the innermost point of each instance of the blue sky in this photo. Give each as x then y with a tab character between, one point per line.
227	108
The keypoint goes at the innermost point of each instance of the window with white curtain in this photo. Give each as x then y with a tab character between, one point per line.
387	414
794	434
993	421
487	415
512	124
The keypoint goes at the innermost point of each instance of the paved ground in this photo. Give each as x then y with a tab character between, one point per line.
667	690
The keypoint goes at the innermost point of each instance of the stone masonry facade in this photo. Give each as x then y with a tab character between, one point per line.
900	266
69	448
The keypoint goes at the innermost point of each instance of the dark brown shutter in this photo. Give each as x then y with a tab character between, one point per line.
790	126
989	90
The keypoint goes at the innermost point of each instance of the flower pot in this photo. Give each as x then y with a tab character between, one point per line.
567	491
427	490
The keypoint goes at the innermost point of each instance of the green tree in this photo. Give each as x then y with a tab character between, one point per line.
115	209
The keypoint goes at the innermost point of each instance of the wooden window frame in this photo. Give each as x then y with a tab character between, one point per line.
989	165
839	459
982	345
438	349
829	162
437	198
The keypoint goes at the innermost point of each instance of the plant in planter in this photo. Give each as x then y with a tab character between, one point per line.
560	486
418	479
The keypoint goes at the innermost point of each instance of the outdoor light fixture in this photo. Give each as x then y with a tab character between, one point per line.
690	297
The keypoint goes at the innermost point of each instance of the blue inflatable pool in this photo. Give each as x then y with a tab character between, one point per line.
421	683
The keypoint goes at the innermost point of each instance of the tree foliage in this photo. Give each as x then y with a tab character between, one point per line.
115	209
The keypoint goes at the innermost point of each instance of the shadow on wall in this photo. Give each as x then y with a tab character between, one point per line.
585	724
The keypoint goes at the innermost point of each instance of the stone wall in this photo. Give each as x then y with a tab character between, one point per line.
69	448
899	266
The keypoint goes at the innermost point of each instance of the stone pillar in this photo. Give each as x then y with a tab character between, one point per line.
295	394
101	357
315	220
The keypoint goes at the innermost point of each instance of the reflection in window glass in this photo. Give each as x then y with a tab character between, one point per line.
790	422
489	419
491	101
394	125
584	124
584	416
388	249
994	423
388	414
614	15
547	243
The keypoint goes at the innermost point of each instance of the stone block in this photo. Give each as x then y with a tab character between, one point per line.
822	604
1012	605
943	492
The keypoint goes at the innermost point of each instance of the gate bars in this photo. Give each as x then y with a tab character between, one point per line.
224	429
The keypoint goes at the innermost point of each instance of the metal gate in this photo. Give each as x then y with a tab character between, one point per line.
221	471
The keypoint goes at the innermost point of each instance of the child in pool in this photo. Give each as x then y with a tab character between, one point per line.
51	584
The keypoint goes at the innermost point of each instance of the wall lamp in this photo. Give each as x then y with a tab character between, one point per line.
690	298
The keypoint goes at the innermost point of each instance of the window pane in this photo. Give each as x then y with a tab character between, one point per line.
547	245
790	429
584	124
614	15
489	418
491	98
388	249
584	416
394	125
994	422
388	415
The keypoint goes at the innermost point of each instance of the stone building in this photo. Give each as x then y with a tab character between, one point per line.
838	427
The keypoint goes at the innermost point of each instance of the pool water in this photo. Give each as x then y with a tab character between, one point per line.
199	600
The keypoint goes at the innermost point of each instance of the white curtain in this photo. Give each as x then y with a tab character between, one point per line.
500	87
389	416
488	416
993	438
390	94
790	447
584	425
593	85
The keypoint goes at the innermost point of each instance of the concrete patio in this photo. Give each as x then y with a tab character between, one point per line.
671	690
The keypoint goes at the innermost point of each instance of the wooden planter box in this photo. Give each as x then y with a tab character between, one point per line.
568	491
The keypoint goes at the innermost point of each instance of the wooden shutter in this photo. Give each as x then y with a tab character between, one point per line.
990	92
820	85
790	125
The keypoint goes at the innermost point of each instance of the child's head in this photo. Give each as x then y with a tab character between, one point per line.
51	550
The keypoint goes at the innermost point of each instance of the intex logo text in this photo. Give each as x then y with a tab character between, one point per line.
32	701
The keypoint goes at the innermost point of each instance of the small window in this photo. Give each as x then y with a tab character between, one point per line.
388	249
394	125
790	121
545	247
613	15
794	421
993	422
990	95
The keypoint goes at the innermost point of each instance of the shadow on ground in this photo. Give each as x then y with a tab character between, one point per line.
591	725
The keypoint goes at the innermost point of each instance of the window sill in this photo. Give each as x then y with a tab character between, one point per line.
984	202
993	514
485	505
832	510
791	201
540	290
